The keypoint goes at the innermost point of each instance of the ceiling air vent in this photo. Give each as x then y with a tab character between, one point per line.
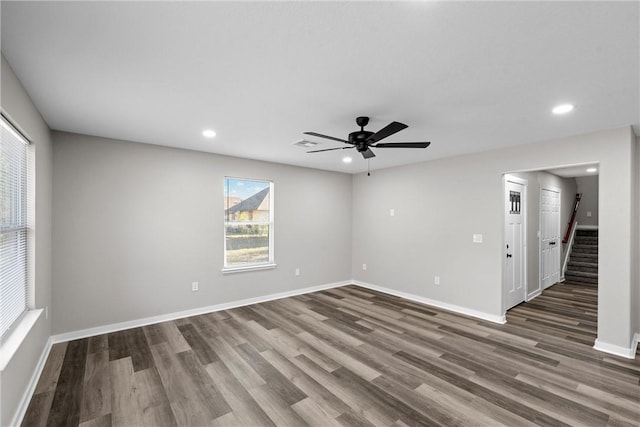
305	144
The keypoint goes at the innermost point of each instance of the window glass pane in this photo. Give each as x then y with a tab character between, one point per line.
248	222
13	226
13	275
246	200
247	244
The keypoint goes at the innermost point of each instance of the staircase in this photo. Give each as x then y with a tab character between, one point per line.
583	262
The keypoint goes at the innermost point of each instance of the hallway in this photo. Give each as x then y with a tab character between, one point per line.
564	311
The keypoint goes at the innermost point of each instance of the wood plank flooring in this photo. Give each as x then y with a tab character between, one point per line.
346	357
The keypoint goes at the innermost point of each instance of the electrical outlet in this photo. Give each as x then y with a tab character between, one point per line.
364	266
436	280
589	214
477	238
297	271
194	286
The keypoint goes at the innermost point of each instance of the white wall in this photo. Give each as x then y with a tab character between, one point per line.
135	224
440	204
588	186
14	380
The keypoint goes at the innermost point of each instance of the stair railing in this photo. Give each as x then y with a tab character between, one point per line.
573	218
568	249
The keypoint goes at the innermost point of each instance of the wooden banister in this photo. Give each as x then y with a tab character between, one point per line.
573	218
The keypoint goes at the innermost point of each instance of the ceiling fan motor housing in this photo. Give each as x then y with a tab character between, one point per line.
359	139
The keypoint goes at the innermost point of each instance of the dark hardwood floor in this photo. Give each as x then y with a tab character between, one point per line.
350	357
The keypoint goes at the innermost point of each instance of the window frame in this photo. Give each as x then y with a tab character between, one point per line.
270	263
27	185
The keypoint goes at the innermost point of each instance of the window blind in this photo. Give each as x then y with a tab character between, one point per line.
13	226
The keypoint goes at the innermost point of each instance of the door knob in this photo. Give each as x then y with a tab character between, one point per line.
508	255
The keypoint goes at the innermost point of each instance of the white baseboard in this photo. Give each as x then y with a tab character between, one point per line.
533	294
629	353
31	387
114	327
587	227
439	304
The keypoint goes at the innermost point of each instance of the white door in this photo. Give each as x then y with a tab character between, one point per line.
549	236
514	253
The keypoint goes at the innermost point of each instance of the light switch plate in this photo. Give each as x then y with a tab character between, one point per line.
477	238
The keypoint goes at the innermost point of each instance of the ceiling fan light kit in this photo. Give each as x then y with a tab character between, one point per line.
363	140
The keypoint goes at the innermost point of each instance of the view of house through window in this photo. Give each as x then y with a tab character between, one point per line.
248	224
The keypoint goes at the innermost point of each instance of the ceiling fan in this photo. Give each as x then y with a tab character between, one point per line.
363	140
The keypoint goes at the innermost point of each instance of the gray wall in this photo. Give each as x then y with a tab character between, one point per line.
440	204
18	106
588	186
536	181
135	224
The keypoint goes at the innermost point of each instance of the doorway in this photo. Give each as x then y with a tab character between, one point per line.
515	285
550	242
551	260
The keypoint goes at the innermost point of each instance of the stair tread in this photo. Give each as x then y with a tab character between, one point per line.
583	264
582	281
580	273
574	278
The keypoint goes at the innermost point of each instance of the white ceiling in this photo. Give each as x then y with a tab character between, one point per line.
467	76
576	170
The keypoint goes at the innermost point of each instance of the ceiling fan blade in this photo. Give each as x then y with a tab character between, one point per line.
402	145
386	131
367	154
319	135
329	149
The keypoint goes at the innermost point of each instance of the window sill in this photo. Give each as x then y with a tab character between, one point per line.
232	270
11	344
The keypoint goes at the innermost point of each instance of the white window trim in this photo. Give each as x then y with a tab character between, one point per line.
270	264
17	333
251	267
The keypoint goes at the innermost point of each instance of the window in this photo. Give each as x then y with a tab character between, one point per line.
14	230
248	224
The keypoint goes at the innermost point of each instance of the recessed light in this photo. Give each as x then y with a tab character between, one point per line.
347	159
592	170
562	109
208	133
